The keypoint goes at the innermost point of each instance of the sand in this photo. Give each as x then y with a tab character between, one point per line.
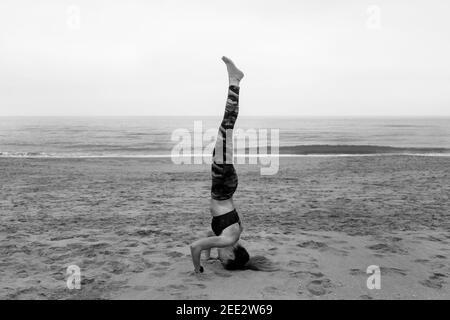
127	224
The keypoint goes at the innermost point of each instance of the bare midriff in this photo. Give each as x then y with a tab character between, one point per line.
220	207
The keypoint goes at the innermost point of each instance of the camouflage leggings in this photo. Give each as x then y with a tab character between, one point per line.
224	177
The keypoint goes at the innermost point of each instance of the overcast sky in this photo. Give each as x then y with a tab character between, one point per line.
150	57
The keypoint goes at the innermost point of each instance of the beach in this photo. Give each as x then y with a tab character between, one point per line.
127	224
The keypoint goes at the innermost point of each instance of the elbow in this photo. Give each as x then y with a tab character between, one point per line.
193	247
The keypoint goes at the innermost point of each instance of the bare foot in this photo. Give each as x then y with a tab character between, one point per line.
234	74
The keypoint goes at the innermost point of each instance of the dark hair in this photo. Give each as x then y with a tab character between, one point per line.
242	261
241	257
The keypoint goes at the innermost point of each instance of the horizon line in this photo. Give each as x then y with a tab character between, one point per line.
245	156
241	116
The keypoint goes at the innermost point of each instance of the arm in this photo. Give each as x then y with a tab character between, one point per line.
242	222
206	244
208	251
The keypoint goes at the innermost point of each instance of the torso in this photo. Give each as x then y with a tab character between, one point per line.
220	207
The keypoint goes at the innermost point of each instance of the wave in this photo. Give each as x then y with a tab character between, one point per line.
39	155
326	149
25	155
283	151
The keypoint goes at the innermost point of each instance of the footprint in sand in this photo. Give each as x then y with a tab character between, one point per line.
138	268
439	256
123	251
273	240
200	297
437	265
424	261
199	285
132	245
177	290
146	233
116	267
357	272
270	292
75	245
315	245
86	281
302	264
162	268
393	271
337	252
312	245
100	245
223	273
177	287
58	275
435	281
174	254
387	248
383	271
306	274
339	241
22	274
172	288
319	287
141	288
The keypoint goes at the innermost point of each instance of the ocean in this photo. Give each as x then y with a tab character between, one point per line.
67	137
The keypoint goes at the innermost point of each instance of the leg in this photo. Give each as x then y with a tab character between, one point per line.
224	178
223	150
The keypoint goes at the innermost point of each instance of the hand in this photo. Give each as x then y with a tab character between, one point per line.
200	270
211	260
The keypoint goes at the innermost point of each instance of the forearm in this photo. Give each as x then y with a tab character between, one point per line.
195	253
208	250
208	243
207	254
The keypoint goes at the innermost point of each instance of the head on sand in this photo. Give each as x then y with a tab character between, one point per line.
234	257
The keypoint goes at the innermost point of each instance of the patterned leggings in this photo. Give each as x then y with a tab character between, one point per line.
224	177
